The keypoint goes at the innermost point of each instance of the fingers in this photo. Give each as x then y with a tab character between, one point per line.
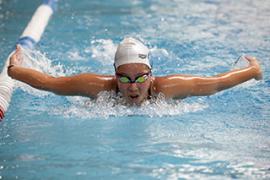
249	58
13	58
253	62
16	57
17	51
18	48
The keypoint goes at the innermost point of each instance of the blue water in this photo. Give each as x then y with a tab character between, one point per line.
223	136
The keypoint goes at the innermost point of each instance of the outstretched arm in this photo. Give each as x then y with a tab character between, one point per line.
83	84
181	86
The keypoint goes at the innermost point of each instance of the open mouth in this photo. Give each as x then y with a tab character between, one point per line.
134	96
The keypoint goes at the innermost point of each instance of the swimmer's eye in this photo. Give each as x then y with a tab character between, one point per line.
124	79
139	79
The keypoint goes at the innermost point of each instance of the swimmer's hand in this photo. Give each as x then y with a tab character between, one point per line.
16	58
254	63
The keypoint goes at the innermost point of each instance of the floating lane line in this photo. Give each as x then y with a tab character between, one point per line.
29	38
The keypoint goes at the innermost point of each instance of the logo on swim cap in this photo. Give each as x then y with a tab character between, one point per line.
131	50
143	56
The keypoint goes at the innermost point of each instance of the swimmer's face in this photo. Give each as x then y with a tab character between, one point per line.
134	81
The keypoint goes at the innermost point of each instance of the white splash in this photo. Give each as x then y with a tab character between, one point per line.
36	60
102	50
75	55
108	104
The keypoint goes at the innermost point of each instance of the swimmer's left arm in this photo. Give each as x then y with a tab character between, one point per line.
181	86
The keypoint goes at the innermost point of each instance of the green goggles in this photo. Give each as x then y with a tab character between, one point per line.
140	79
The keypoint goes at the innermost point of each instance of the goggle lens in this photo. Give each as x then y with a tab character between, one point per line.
124	79
139	79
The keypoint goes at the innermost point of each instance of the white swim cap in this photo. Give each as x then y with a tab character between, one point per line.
131	50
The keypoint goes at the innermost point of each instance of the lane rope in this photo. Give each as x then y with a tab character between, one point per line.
29	38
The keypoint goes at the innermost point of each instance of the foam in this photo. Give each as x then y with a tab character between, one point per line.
108	104
75	55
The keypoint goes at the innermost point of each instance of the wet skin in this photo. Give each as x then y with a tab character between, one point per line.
171	86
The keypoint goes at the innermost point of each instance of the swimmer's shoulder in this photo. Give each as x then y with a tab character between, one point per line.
156	85
169	85
104	82
109	82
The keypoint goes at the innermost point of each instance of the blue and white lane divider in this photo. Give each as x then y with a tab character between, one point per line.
29	38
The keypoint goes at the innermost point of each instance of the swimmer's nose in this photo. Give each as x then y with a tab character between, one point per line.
133	87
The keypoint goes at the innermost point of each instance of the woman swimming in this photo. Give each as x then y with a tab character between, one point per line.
133	78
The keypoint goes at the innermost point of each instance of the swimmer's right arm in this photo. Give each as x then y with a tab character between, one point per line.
84	84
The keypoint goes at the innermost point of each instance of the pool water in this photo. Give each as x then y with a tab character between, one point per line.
223	136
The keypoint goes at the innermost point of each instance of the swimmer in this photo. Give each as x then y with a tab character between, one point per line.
133	79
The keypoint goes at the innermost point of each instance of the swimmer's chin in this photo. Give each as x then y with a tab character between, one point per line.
134	101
